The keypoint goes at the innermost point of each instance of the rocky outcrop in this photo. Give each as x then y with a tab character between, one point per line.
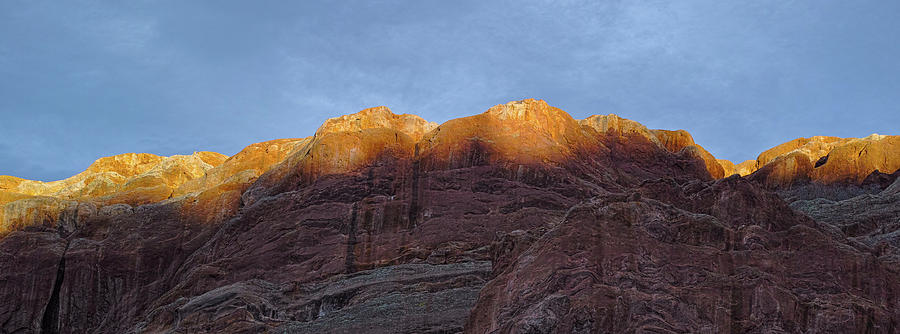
615	125
855	160
813	147
379	117
123	172
827	160
207	185
132	179
331	153
217	195
528	132
673	141
785	171
518	219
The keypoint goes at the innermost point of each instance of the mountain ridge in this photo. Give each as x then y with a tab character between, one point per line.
528	131
517	219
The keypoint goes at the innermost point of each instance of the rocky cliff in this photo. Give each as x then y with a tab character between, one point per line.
826	160
520	219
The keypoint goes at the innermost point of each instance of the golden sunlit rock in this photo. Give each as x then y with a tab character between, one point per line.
613	124
208	186
828	160
520	132
379	117
727	167
343	144
855	159
745	168
131	178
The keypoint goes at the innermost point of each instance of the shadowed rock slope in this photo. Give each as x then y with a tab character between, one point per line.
520	219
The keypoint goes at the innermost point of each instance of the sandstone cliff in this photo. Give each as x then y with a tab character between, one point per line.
518	219
827	160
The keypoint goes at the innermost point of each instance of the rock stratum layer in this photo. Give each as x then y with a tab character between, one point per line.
520	219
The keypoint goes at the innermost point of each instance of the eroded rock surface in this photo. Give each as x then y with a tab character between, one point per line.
658	263
519	219
132	179
826	160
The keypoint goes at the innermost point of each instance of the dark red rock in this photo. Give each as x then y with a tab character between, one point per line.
625	263
31	268
880	180
520	219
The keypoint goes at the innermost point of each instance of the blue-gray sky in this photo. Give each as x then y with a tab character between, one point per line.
85	79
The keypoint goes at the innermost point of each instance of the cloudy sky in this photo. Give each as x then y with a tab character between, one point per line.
85	79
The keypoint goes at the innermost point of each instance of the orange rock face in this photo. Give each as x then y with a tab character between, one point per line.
522	132
854	160
728	167
254	159
785	170
131	178
745	168
826	160
217	195
813	147
341	145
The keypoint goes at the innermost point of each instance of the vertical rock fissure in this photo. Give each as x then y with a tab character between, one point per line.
50	320
351	240
414	194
